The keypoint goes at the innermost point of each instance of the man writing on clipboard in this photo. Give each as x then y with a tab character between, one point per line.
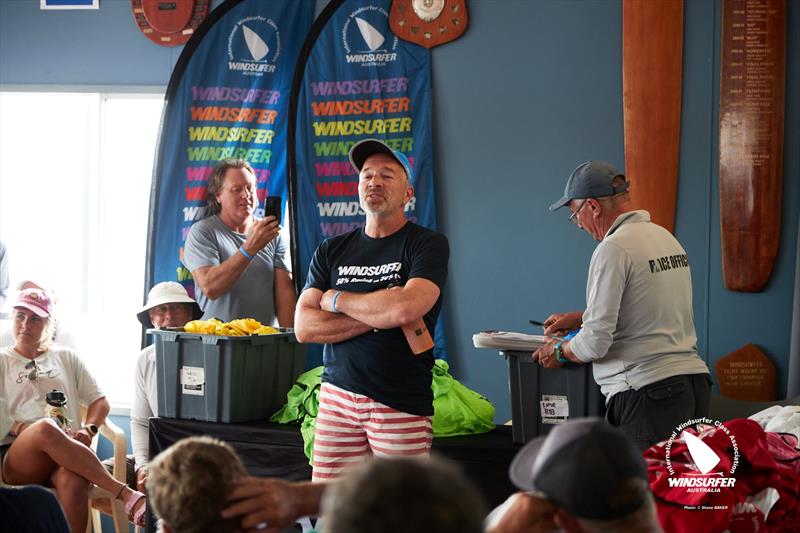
638	326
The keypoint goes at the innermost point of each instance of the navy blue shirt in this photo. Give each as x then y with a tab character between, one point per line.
379	363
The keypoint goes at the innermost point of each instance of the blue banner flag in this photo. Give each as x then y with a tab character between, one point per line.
358	81
228	97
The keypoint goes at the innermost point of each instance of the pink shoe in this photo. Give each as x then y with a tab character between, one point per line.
136	515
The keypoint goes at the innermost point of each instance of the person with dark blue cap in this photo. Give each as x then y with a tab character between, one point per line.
638	326
363	290
585	476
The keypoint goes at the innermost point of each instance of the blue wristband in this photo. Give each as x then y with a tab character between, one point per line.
244	253
559	353
333	303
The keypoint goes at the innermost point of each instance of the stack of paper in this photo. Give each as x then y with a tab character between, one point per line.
508	340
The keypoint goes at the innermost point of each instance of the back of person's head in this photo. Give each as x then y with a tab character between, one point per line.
403	495
188	484
593	472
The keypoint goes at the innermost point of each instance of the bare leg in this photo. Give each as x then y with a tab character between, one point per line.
42	447
73	493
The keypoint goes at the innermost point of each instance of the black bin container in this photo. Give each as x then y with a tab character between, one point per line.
218	378
530	385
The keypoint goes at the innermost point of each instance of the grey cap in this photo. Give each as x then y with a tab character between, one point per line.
592	179
583	466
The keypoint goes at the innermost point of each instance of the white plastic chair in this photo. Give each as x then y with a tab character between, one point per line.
111	432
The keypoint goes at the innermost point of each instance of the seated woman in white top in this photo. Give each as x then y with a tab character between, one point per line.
37	450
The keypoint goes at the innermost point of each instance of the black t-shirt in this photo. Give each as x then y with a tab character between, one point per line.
379	364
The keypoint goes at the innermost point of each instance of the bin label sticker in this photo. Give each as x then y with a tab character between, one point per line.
193	380
554	409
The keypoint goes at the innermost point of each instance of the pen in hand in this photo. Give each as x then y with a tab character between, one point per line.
536	323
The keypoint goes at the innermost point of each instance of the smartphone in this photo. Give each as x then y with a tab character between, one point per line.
272	207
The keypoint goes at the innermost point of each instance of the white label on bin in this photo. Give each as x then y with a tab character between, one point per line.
193	380
554	409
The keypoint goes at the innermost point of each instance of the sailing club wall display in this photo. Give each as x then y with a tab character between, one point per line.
170	22
428	23
752	86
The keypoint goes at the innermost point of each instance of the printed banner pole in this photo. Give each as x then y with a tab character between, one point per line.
228	97
355	80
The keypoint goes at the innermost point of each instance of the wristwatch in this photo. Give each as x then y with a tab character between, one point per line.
92	429
559	353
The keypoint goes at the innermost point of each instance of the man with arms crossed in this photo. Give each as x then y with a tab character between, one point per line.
362	287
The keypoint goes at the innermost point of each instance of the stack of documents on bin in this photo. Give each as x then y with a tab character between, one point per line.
508	340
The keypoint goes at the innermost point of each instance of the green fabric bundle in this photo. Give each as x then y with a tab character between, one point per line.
457	409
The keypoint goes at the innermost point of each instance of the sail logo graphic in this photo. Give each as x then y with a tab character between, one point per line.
254	45
368	40
709	475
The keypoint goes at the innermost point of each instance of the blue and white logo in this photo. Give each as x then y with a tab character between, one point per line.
367	38
254	46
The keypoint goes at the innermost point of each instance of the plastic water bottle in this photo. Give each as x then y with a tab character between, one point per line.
56	408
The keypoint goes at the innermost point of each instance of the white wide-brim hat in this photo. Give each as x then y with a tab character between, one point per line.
167	292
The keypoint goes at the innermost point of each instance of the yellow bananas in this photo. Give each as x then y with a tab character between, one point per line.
236	328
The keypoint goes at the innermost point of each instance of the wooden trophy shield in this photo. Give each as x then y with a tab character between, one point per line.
168	17
428	23
747	374
169	22
751	112
652	64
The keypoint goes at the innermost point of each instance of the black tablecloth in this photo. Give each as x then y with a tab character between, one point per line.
277	450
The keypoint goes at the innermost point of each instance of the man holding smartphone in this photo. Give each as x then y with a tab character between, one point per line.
362	288
237	260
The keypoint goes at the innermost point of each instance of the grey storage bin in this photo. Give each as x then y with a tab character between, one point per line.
217	378
571	385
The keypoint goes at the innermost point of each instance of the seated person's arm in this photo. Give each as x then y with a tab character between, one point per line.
140	428
385	309
312	324
273	501
285	298
97	412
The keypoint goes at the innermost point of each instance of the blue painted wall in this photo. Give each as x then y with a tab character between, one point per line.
531	90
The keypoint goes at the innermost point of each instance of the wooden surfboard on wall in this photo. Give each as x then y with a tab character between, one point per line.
751	113
652	62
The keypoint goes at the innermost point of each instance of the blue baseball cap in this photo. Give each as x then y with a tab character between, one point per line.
368	147
592	179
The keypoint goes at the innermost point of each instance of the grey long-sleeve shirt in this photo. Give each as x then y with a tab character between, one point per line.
145	404
638	327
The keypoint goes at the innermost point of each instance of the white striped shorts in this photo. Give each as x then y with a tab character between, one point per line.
351	426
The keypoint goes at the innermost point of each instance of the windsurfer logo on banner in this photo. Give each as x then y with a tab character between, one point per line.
366	38
254	45
428	22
